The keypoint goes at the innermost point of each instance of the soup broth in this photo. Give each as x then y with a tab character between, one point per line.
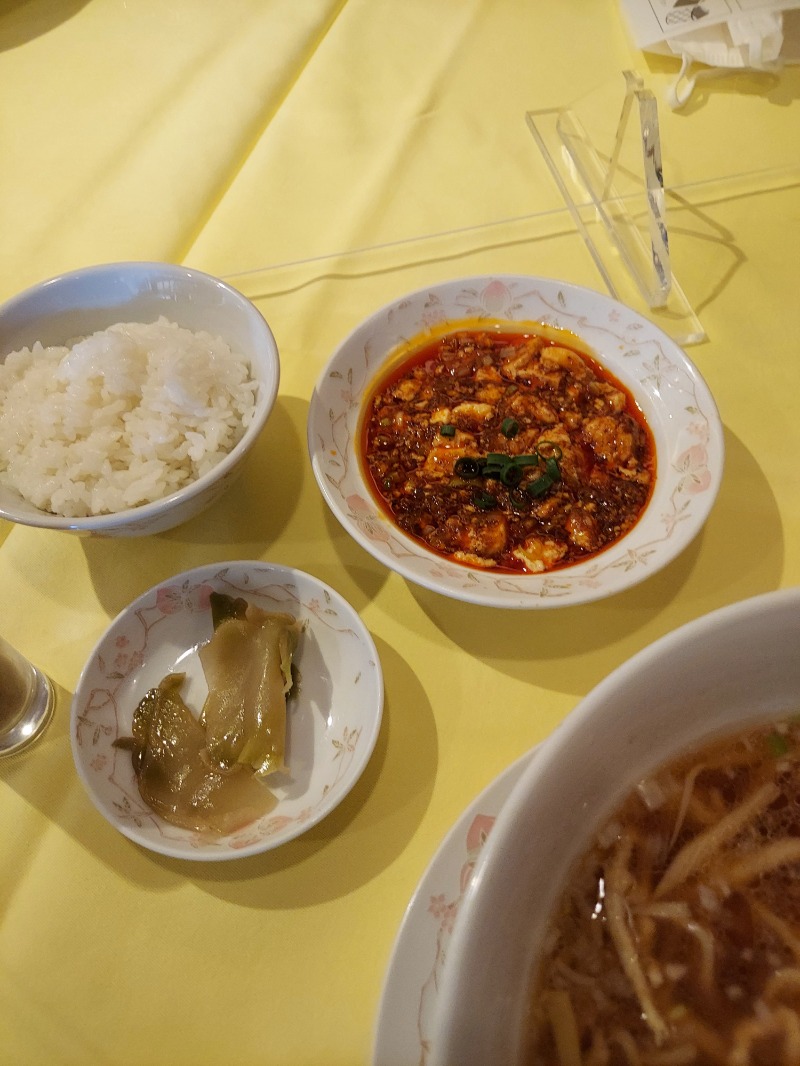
677	939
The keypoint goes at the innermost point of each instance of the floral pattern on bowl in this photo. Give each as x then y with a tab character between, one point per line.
333	720
409	999
672	394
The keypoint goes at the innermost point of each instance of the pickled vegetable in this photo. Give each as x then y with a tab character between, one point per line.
205	774
173	772
248	667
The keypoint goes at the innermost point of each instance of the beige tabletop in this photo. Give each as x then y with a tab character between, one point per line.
326	156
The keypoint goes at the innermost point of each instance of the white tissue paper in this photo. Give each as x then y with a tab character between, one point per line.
719	34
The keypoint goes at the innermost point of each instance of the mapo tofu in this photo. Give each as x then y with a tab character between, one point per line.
507	450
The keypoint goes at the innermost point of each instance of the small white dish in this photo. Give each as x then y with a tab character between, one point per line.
670	391
333	720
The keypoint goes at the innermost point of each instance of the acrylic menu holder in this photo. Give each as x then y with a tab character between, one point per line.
617	202
600	204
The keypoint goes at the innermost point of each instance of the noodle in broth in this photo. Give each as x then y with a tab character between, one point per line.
677	940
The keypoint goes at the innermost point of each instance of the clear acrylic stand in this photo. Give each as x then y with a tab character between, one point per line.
596	218
618	204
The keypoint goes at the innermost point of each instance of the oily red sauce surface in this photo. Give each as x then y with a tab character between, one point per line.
476	392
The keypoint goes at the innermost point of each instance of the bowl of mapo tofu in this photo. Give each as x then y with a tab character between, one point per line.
638	898
515	442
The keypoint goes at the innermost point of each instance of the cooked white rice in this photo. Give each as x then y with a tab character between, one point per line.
122	418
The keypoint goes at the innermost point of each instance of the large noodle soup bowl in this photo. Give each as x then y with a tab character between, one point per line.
714	676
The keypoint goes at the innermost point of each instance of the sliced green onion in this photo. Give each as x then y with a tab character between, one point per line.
548	449
552	469
447	429
509	427
539	487
510	470
485	501
467	467
511	475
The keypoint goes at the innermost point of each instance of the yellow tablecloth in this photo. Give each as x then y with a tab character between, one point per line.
326	156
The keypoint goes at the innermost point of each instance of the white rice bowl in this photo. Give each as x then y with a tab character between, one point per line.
122	418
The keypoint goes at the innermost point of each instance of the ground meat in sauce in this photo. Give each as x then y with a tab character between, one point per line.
472	393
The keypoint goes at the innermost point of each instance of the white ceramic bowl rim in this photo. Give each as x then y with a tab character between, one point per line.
266	398
548	752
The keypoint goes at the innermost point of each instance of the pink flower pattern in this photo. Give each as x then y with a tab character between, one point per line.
693	464
365	518
127	661
171	599
444	911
